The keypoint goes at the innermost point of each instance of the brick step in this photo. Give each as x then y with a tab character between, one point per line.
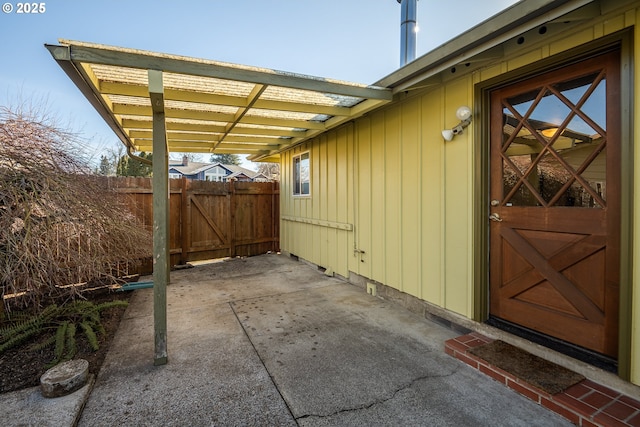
584	404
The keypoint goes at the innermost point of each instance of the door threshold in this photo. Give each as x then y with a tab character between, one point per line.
593	358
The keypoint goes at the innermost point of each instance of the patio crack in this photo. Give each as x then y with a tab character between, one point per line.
382	400
233	310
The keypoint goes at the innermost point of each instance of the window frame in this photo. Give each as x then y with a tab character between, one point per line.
216	174
297	179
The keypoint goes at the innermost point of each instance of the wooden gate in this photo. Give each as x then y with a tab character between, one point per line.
211	219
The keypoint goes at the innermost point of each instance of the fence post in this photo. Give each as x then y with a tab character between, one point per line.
232	218
185	234
273	217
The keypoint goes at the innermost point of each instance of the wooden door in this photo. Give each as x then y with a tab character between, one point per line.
555	204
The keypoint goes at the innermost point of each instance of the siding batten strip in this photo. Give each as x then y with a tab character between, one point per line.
319	222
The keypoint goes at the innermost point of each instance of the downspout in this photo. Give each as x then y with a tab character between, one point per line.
138	158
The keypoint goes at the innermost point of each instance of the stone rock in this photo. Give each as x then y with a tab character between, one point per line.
64	378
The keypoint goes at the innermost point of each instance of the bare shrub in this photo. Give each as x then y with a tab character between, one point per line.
58	224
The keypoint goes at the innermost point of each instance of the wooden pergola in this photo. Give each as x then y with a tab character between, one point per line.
160	103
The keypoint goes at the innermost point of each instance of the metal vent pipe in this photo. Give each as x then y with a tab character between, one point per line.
408	30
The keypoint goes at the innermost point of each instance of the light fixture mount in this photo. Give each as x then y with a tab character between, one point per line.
464	114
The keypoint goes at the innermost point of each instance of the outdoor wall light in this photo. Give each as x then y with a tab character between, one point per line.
464	115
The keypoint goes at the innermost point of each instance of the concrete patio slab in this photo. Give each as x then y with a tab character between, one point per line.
269	341
342	357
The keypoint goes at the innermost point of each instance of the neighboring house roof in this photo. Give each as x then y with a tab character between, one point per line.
192	168
187	167
238	175
237	170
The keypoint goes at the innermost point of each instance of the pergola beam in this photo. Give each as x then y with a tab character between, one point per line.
255	135
197	127
82	52
253	141
207	147
125	89
174	113
289	123
138	90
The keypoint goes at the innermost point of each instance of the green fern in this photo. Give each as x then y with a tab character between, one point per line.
65	320
17	336
49	341
92	315
70	343
17	340
61	335
87	328
18	322
23	323
24	328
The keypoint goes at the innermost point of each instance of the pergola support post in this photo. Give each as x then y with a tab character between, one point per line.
161	259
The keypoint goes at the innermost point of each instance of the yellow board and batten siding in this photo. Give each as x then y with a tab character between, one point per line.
318	227
409	194
398	175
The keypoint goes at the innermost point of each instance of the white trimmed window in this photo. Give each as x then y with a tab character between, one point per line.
216	174
301	175
175	175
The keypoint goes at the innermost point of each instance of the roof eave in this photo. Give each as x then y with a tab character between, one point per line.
515	20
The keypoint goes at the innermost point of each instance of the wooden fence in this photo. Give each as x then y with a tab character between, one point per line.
211	219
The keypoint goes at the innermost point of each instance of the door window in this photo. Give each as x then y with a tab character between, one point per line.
554	145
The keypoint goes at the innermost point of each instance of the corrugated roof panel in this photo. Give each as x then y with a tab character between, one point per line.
305	96
132	76
207	85
250	127
181	105
210	104
285	115
129	100
111	73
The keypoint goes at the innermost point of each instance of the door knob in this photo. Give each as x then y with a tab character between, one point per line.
495	202
495	217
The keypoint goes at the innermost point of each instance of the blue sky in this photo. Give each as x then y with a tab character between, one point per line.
353	40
